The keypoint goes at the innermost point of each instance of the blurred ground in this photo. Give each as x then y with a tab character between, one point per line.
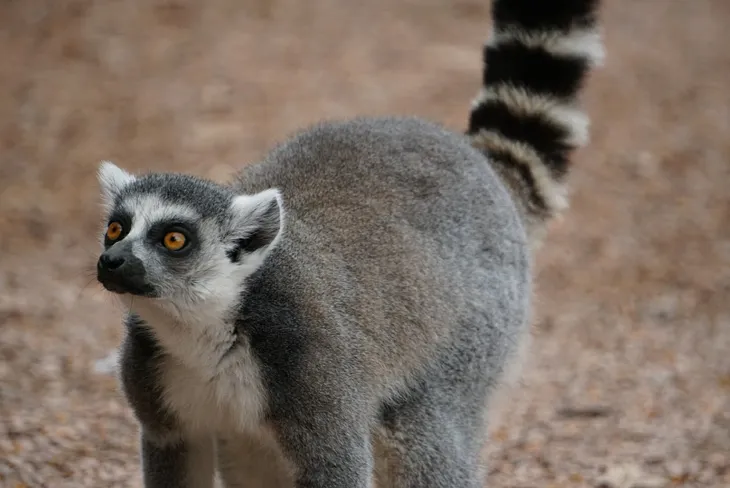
629	371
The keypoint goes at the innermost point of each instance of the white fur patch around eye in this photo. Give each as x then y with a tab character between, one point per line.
112	180
147	210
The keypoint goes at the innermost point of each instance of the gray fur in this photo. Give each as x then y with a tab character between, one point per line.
342	310
388	308
418	295
190	464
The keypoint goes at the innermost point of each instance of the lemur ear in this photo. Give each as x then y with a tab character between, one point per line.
112	179
257	221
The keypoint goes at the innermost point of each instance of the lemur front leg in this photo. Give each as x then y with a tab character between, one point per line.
321	419
328	451
170	458
183	464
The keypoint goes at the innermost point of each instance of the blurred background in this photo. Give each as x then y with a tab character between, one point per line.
627	381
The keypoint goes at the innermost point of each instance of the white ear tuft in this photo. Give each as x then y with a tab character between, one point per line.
112	179
257	222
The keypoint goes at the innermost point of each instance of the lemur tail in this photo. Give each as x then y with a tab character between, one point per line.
526	118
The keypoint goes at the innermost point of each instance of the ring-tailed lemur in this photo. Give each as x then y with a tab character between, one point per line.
342	310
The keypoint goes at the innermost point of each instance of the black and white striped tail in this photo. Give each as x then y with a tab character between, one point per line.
526	117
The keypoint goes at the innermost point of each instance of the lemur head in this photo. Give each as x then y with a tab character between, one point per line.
181	241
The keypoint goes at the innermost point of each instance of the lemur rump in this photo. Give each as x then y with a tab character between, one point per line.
340	313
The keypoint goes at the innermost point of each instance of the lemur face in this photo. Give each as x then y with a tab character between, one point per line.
180	239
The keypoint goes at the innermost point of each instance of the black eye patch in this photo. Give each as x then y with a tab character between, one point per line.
125	220
157	232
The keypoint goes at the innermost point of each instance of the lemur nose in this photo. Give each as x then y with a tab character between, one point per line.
110	262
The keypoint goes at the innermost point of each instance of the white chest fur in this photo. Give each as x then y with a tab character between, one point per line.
210	378
229	400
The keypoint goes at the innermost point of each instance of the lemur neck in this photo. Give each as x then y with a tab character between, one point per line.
198	339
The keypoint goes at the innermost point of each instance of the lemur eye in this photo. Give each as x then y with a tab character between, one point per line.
114	231
174	241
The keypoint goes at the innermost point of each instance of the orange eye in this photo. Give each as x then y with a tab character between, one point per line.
174	241
114	231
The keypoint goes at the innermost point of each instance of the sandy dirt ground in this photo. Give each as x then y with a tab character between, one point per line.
627	381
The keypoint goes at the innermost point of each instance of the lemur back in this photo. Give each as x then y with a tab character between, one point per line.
408	241
341	312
